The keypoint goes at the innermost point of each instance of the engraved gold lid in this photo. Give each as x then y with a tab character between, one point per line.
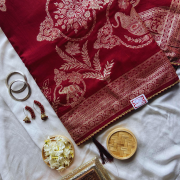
121	143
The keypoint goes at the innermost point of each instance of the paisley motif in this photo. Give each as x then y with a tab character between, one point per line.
105	38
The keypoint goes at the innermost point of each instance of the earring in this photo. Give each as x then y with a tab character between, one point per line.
43	116
26	119
31	111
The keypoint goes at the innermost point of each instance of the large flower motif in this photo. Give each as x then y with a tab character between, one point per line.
76	13
75	77
65	16
72	48
72	14
59	76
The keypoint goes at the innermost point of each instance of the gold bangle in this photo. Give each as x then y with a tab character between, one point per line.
27	85
25	78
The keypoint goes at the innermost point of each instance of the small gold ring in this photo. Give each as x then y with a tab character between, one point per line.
25	78
29	90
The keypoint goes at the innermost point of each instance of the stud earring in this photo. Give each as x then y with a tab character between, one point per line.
43	115
31	112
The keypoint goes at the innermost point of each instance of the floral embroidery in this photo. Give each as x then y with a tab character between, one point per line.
47	31
72	15
45	90
2	5
76	87
59	76
68	15
72	93
123	4
138	40
106	39
134	2
72	48
132	23
75	77
86	65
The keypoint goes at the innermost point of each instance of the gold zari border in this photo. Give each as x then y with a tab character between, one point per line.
129	110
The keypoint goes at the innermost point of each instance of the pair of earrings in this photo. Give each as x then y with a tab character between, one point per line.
43	115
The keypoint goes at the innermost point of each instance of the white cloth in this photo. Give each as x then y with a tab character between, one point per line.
156	127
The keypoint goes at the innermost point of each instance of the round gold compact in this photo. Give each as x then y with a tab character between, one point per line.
121	143
68	143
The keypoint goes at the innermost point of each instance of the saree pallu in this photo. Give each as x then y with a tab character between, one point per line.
162	18
89	58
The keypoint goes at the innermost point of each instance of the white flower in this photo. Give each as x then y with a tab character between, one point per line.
58	152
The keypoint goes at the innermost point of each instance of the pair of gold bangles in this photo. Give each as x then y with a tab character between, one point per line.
24	81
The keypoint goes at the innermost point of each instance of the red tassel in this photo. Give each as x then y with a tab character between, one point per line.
103	152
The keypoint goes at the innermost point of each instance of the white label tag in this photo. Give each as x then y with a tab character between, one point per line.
139	101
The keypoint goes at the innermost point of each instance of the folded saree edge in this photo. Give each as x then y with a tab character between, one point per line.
126	112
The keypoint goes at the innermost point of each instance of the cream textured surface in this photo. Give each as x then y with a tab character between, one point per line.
156	127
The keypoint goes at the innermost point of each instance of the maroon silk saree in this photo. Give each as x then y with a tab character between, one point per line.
89	58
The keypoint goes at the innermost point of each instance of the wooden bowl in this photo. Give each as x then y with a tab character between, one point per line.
44	157
121	143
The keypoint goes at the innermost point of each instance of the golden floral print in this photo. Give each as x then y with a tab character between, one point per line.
76	87
132	23
72	14
134	2
123	4
2	5
138	40
46	90
105	38
47	31
72	48
69	15
95	68
72	92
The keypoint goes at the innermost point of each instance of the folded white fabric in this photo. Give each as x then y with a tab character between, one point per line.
156	127
34	133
